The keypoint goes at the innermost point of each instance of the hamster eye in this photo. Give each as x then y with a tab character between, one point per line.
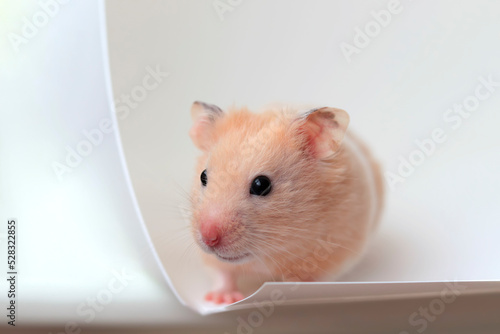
203	178
261	186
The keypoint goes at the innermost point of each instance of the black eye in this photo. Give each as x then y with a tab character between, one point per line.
203	178
261	186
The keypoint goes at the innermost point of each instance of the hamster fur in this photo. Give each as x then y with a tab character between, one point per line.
325	198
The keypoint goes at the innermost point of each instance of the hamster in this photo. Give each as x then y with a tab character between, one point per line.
282	194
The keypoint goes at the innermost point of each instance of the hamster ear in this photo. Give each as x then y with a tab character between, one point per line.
204	116
324	129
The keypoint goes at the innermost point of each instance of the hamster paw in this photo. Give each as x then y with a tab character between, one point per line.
224	296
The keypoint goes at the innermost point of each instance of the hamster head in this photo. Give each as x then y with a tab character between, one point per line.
260	181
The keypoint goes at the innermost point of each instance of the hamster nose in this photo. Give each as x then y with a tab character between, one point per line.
210	234
211	241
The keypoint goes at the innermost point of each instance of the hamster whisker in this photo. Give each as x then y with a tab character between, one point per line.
283	230
303	237
261	261
273	247
281	266
184	253
175	236
276	262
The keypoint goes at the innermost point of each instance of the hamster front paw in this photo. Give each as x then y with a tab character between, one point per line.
224	296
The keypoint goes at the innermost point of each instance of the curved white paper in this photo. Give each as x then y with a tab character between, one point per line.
41	116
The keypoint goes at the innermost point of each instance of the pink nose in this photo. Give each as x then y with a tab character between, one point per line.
210	233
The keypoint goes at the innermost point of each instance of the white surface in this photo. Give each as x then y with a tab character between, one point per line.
440	224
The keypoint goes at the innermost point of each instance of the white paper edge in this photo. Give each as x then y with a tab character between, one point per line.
426	289
109	88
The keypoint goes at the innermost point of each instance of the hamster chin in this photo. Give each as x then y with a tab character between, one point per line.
236	259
